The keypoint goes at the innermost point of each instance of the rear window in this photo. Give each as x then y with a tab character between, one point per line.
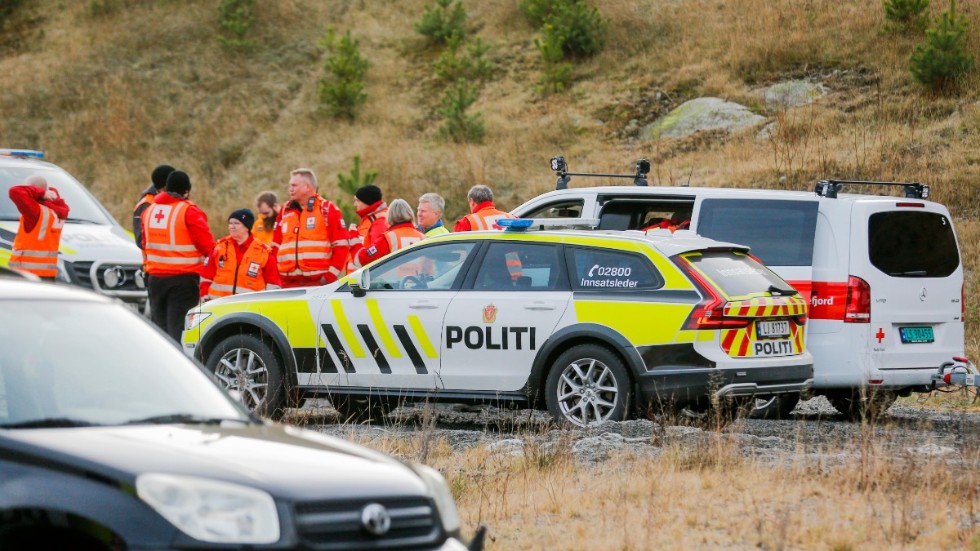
606	270
912	244
780	233
735	274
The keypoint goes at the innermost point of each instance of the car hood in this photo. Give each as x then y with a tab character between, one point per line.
289	463
80	241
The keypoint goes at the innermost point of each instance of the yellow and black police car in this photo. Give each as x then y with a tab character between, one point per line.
593	326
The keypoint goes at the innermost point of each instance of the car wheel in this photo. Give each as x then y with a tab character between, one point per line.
588	385
776	406
247	365
857	405
360	409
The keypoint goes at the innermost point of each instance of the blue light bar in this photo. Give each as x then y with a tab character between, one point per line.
22	153
515	224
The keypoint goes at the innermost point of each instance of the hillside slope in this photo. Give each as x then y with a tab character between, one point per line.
110	88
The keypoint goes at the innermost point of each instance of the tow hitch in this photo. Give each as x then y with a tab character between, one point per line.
958	372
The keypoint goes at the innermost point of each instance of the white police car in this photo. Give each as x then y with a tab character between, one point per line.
594	326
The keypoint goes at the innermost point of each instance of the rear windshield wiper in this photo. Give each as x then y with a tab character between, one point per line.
49	423
782	292
184	418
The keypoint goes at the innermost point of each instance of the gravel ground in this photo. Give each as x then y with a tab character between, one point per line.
816	433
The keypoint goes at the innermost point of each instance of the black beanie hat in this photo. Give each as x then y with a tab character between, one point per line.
178	182
160	174
369	194
244	216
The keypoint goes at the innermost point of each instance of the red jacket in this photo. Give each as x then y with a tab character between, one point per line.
196	221
27	200
270	273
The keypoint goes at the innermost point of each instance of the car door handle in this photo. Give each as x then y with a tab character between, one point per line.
423	305
539	306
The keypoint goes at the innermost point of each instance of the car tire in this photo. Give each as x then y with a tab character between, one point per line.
366	410
777	406
247	365
858	405
588	385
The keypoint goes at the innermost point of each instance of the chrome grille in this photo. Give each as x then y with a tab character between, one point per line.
81	274
337	525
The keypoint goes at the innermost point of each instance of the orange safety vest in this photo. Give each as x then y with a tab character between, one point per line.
363	236
169	248
399	238
305	249
36	251
147	198
233	276
486	219
261	234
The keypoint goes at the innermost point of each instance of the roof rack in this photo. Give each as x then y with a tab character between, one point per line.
829	188
22	153
559	165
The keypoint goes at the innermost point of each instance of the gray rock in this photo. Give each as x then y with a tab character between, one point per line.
703	114
793	93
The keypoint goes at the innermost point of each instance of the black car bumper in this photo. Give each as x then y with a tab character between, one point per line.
683	386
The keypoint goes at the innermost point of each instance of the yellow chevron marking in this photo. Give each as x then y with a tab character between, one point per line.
345	329
424	341
382	328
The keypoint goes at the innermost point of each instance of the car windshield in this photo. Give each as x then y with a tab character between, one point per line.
84	208
77	363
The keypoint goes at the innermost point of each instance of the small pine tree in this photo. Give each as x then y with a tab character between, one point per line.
236	18
580	27
342	89
440	22
941	60
909	14
459	126
7	8
557	74
349	183
451	65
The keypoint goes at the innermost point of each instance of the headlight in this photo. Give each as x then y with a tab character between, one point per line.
443	497
212	511
194	318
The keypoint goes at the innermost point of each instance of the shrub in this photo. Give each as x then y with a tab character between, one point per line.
941	60
440	23
459	126
452	66
537	11
7	8
236	18
579	27
907	13
557	74
342	89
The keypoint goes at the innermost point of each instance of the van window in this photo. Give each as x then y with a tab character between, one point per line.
736	274
605	270
637	214
780	233
560	209
912	244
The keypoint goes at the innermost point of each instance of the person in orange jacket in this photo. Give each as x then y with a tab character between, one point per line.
373	212
267	206
400	234
483	214
310	236
239	263
176	240
158	181
42	216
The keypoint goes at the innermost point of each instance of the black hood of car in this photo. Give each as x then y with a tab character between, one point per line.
289	463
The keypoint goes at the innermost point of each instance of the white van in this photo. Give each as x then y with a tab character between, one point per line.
882	274
96	252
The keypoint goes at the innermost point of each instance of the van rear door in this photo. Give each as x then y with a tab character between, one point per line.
906	251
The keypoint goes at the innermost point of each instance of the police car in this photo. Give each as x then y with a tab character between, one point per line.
881	270
593	326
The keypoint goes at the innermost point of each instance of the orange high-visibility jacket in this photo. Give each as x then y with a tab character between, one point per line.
36	251
305	248
485	219
261	234
233	276
169	248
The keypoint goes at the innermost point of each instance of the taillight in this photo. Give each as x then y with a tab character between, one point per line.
710	312
857	307
800	320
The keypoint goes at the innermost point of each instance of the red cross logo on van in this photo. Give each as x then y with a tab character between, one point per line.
880	335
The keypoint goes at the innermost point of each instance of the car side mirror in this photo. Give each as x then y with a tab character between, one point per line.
359	288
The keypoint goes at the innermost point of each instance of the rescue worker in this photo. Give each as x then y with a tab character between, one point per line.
176	240
267	205
158	180
239	263
429	212
400	234
42	216
483	214
310	235
373	212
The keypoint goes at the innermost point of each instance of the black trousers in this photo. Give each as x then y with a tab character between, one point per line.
170	299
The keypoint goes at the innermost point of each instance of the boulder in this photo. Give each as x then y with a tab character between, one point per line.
703	114
792	93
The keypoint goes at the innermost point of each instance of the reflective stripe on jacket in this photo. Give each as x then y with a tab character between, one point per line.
233	276
169	247
485	219
36	251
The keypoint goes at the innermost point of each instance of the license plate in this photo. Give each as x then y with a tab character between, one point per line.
770	329
916	334
772	348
